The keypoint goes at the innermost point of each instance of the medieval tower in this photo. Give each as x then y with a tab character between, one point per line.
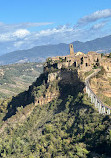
71	49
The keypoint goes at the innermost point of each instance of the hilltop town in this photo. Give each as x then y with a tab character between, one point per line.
68	69
79	60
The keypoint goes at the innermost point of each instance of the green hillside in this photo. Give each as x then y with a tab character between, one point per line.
67	127
17	78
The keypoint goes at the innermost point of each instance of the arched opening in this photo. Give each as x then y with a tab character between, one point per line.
86	64
75	64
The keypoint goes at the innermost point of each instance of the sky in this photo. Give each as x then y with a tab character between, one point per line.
28	23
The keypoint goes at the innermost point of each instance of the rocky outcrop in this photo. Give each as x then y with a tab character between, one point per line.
47	98
54	76
52	85
65	76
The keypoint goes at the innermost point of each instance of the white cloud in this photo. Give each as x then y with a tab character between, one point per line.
21	33
100	14
99	25
11	36
12	27
48	32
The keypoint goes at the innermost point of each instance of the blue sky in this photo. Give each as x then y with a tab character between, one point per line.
27	23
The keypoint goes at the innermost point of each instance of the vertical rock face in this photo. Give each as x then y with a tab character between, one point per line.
65	76
54	76
52	86
51	93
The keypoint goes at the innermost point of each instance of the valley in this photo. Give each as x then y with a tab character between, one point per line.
16	78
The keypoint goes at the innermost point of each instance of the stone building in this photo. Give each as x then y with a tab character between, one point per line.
84	62
71	49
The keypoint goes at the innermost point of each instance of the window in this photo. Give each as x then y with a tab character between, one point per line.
82	60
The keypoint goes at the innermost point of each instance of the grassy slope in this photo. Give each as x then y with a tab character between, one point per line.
101	86
17	78
67	127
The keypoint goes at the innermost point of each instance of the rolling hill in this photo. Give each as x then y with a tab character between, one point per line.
16	78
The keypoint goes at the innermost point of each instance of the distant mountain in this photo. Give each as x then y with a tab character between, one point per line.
40	53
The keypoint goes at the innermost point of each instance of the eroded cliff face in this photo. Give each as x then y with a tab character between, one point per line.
65	76
51	89
51	92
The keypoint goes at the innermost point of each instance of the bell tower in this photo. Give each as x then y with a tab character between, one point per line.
71	49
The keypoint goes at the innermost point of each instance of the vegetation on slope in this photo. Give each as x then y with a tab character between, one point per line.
17	78
101	84
69	126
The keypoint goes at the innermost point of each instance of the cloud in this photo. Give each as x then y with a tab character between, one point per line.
21	33
17	36
11	32
100	14
12	27
11	36
48	32
23	39
99	25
